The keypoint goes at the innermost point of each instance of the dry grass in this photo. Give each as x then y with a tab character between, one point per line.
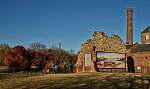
3	68
74	81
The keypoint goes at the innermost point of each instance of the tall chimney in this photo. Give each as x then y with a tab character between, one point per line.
129	27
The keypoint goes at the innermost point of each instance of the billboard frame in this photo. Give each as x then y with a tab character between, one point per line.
111	68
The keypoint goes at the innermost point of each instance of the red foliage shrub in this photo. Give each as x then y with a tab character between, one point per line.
19	59
16	59
41	59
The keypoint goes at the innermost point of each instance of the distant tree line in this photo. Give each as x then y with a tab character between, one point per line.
21	59
4	48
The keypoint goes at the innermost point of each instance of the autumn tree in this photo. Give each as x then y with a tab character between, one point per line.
51	61
41	59
16	59
67	58
4	48
30	56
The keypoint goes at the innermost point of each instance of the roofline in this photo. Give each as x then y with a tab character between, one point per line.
145	29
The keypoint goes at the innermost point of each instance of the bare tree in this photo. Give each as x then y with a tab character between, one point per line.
37	46
54	47
72	51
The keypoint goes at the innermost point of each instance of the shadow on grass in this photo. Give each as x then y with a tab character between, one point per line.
4	76
90	81
11	75
113	81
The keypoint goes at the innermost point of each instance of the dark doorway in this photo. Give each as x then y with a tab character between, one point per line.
130	63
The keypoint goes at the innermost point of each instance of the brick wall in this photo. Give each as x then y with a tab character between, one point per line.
139	60
100	42
143	38
141	55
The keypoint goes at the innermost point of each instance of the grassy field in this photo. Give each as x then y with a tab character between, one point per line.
74	81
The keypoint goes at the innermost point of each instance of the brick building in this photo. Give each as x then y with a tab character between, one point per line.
137	58
145	36
141	57
138	53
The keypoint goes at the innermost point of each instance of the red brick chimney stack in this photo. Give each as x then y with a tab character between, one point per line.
129	26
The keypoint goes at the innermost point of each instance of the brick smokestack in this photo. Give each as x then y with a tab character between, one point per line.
129	26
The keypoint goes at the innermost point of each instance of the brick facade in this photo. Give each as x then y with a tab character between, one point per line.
145	36
141	57
100	42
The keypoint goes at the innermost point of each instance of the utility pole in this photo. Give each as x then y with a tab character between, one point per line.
59	52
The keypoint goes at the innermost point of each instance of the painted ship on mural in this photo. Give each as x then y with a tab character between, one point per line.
110	60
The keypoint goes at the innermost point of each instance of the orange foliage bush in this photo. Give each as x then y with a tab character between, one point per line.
41	59
16	59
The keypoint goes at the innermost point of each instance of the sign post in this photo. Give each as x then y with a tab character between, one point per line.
87	59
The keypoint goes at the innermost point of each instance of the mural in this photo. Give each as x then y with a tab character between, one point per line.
110	60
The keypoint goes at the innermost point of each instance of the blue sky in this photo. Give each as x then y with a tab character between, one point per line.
23	22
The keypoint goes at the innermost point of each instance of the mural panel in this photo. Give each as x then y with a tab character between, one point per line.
110	60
